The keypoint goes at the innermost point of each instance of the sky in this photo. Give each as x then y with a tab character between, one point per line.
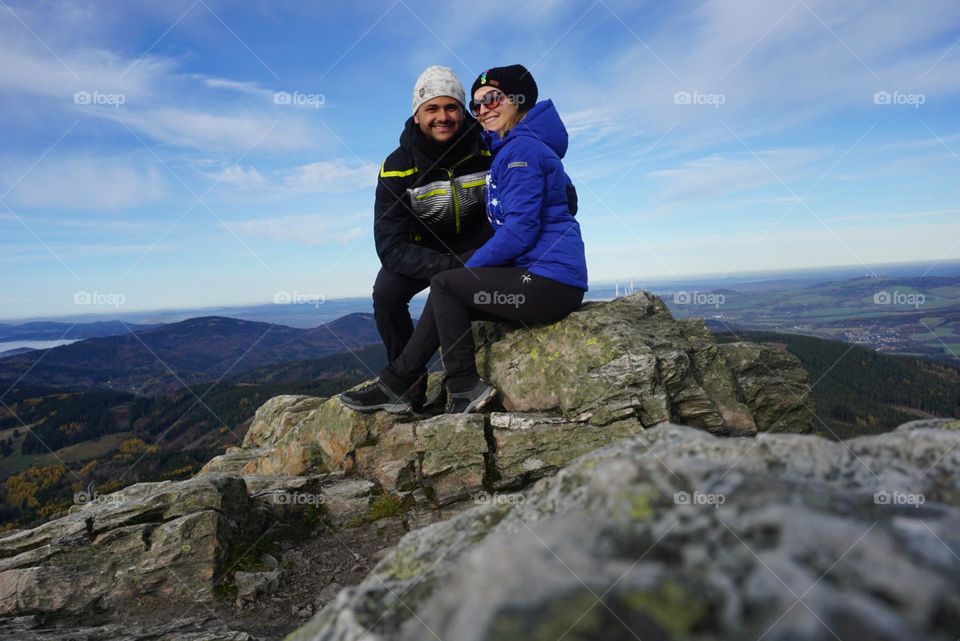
200	153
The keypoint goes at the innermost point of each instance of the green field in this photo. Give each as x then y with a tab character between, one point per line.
72	453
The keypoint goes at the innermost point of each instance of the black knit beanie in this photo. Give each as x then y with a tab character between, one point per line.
514	81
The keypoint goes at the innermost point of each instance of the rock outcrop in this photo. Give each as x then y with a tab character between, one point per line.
677	534
605	372
146	544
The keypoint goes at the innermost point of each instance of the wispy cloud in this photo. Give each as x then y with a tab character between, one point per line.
331	176
155	99
307	229
935	213
81	182
241	178
724	174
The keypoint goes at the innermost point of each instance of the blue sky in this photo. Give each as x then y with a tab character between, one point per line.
146	160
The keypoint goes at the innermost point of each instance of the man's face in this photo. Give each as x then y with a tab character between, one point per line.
439	118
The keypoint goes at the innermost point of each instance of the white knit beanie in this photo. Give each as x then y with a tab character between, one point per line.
437	81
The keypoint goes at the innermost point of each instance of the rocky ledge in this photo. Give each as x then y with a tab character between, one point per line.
605	372
677	534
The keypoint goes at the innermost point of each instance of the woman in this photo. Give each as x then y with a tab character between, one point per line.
533	269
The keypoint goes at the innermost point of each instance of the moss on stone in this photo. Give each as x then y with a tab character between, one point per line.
401	565
381	507
577	617
671	606
641	508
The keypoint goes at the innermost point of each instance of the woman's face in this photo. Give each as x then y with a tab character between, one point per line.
498	112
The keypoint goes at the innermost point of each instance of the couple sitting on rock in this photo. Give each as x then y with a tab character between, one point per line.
484	218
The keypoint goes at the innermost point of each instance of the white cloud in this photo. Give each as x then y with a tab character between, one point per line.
910	214
234	85
777	65
333	176
156	101
723	174
86	183
329	176
241	178
308	229
671	255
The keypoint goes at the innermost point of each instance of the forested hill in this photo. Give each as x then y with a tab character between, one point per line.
858	391
97	435
194	351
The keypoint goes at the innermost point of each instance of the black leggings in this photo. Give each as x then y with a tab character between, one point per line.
460	296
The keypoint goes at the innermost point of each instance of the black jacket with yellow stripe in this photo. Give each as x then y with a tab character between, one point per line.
430	203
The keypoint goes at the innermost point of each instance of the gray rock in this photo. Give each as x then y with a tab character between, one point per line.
777	392
623	359
162	542
254	585
291	498
528	446
676	534
188	629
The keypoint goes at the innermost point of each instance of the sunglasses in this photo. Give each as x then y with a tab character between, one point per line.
492	100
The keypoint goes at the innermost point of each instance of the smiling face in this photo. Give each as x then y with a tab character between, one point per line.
498	114
439	118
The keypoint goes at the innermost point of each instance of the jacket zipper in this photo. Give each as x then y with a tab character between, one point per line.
453	190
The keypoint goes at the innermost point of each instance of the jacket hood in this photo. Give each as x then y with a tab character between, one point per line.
542	122
467	141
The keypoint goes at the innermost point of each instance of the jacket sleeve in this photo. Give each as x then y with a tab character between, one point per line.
393	228
520	188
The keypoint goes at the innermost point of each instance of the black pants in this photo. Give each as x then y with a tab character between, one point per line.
391	309
460	296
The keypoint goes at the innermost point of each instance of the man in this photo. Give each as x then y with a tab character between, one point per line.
430	206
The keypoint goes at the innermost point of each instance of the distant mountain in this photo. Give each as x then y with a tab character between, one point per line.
14	352
51	331
165	358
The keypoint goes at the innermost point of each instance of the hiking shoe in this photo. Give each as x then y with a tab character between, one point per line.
375	396
472	400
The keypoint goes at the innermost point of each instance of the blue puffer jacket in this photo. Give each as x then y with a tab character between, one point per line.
527	202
